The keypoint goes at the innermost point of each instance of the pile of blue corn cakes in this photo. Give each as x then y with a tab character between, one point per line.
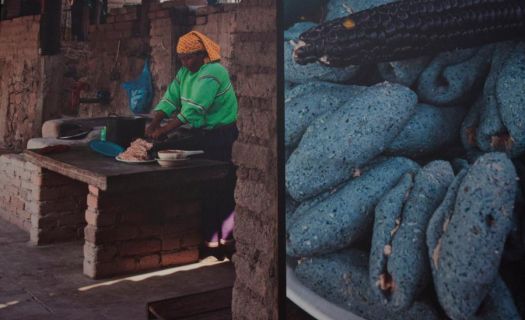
405	180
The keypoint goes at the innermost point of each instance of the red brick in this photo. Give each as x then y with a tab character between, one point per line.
126	17
139	247
201	20
132	216
162	14
94	190
149	262
98	270
131	9
52	207
126	232
53	193
176	228
99	253
170	244
72	219
90	269
43	222
191	239
181	257
100	235
93	217
147	231
122	26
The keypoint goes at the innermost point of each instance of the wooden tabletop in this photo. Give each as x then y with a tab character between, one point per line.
83	164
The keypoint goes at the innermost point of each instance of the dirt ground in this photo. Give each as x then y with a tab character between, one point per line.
47	283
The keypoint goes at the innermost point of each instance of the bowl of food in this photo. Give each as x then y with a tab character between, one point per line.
174	154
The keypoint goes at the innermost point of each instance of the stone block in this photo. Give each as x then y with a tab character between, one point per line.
257	19
259	85
253	230
261	274
253	156
254	196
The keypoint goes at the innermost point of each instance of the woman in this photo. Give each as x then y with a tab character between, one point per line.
203	97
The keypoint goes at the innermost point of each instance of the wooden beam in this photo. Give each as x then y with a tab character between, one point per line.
50	27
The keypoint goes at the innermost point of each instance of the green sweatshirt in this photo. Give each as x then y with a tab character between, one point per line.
204	99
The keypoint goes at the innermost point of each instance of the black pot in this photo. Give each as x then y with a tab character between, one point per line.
123	130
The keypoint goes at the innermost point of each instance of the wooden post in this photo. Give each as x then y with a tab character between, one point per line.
50	27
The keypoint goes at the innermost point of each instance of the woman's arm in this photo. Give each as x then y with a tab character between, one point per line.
174	123
155	124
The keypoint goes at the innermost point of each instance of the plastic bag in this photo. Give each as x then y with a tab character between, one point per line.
140	91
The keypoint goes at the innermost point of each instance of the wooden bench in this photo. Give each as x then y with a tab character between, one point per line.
209	305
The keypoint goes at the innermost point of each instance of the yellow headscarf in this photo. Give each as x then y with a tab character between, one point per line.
195	41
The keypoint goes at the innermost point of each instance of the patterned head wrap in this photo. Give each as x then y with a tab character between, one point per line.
195	41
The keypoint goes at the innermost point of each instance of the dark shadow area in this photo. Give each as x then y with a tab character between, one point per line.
47	283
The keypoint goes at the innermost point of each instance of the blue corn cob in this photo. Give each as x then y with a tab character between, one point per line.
342	278
429	130
340	218
411	28
358	131
471	247
406	272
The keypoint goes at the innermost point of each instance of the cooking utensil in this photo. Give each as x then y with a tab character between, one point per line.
76	134
124	130
106	148
173	154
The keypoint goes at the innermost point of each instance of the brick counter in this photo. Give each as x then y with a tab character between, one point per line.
142	230
47	205
132	217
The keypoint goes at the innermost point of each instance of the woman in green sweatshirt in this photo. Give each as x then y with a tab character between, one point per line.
202	96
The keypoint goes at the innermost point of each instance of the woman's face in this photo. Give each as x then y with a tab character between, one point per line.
192	61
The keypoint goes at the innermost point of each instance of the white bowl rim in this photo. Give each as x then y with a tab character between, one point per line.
170	151
312	303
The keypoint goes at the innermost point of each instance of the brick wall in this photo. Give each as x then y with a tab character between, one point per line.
47	205
14	194
167	22
102	69
34	88
57	207
255	294
219	24
20	81
148	229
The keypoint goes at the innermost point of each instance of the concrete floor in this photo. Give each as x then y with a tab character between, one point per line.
47	283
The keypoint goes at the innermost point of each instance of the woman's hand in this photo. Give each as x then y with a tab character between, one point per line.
157	133
155	123
152	128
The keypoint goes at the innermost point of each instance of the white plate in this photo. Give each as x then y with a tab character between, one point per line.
312	303
135	161
171	163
